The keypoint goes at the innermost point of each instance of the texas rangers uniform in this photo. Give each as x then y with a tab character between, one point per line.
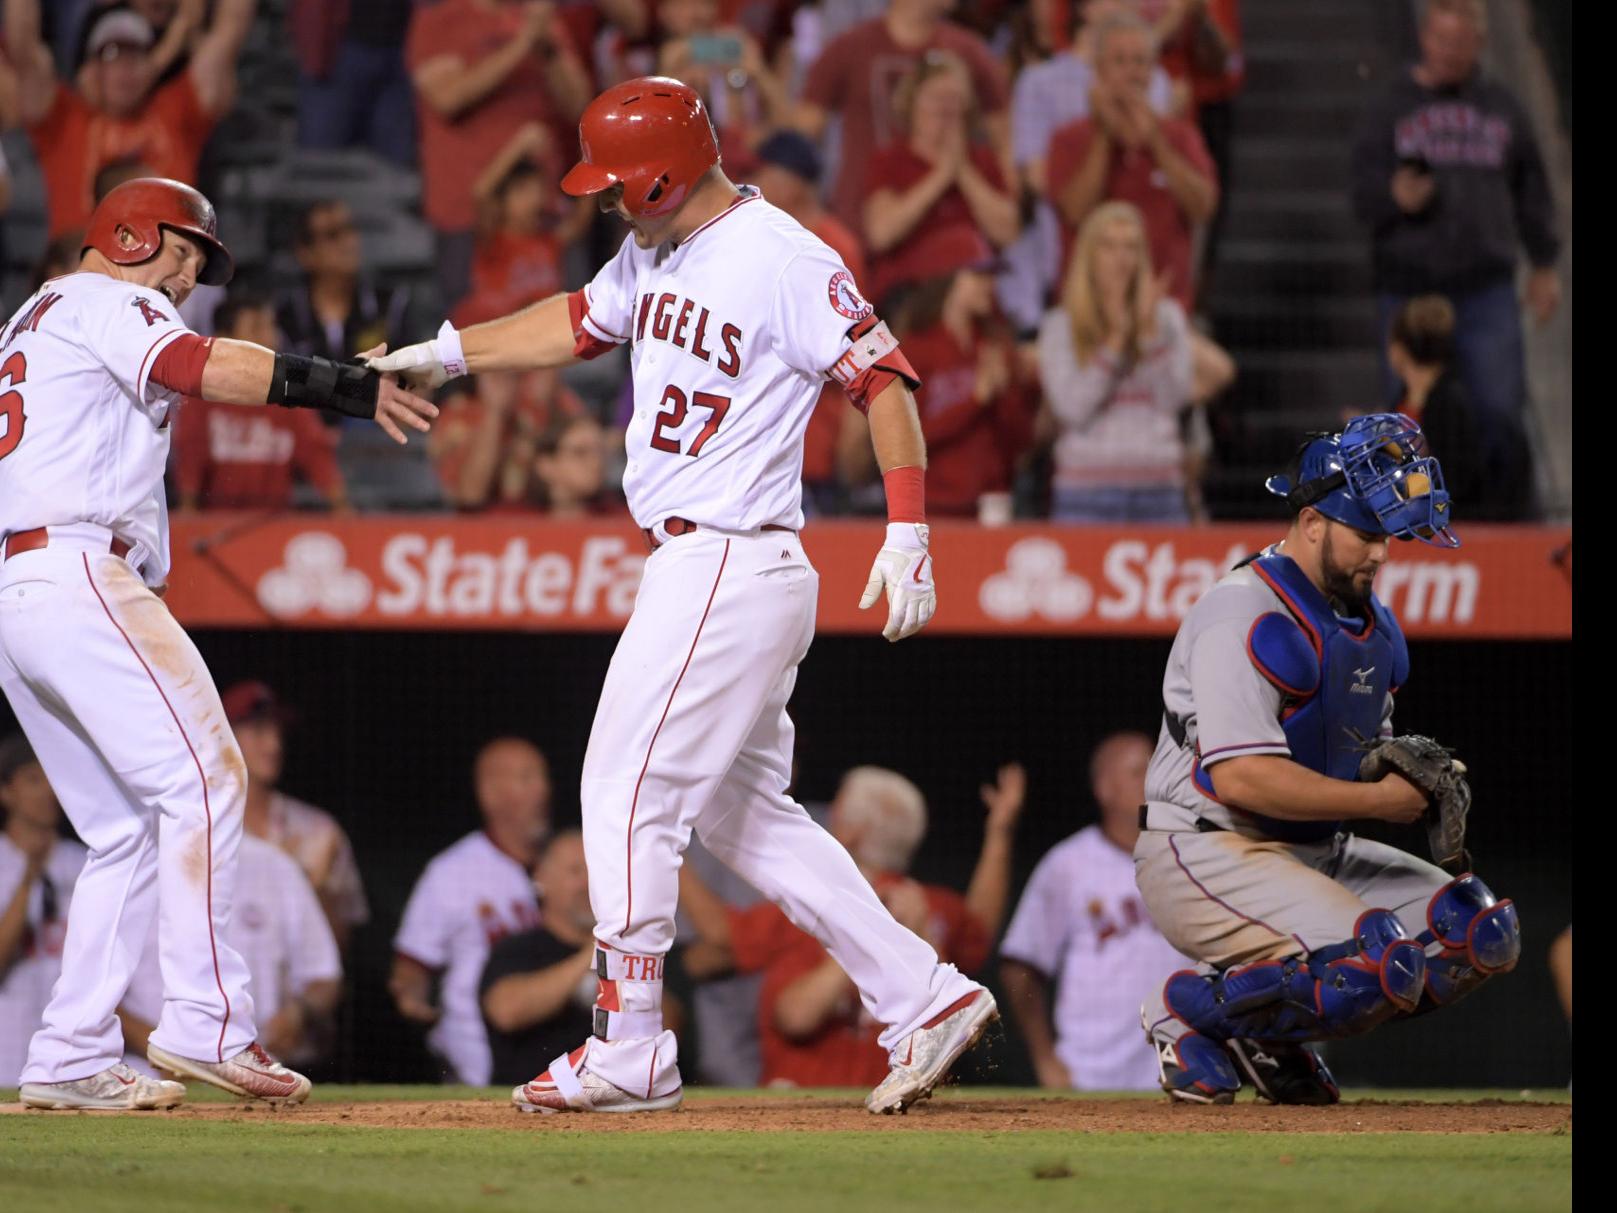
112	694
734	332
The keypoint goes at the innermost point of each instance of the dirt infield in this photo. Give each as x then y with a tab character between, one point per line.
953	1115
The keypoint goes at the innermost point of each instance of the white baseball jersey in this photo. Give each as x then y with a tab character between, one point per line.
85	433
734	331
1082	923
25	983
471	895
277	926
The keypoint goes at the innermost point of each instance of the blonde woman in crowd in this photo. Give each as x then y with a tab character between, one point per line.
1121	369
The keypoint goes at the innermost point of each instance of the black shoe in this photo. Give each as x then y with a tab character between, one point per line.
1284	1073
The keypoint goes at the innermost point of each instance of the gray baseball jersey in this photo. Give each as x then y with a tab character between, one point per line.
1216	705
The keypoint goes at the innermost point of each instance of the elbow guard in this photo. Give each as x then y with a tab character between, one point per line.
872	362
348	387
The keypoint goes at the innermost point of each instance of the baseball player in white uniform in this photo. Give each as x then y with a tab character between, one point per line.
281	933
110	691
1082	926
737	316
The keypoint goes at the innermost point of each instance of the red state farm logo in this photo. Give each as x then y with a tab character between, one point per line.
845	297
314	575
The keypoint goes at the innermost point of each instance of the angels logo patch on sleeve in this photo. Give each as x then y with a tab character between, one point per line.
845	297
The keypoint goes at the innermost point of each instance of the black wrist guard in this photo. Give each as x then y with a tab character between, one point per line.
348	387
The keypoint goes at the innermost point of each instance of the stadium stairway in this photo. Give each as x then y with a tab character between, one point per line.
1289	295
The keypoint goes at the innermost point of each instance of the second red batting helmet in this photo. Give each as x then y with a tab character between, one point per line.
144	207
653	136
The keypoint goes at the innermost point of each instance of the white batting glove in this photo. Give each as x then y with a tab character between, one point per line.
904	569
427	364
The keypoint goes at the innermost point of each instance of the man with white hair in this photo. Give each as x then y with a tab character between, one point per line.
812	1028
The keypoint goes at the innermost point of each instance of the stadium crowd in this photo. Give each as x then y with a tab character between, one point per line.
1031	192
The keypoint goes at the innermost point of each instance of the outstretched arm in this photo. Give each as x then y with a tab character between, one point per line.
240	372
36	73
213	64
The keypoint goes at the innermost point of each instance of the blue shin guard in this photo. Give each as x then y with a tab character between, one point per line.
1341	990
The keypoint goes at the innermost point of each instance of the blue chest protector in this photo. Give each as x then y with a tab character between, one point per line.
1334	680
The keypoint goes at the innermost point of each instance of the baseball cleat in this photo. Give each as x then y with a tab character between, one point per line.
252	1073
569	1085
1194	1068
923	1057
1284	1073
117	1088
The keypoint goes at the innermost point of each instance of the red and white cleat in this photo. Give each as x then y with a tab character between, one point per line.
569	1085
252	1073
117	1088
924	1056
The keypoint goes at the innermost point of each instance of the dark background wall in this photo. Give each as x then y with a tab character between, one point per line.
388	724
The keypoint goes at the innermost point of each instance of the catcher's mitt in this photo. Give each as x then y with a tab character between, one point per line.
1434	770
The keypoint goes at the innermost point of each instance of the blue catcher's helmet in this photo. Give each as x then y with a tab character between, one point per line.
1378	475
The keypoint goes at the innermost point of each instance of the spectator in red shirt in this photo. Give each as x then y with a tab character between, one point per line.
490	432
788	174
482	69
936	191
236	457
1123	151
117	113
855	77
977	409
523	229
812	1028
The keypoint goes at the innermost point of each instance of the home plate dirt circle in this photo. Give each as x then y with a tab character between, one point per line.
963	1115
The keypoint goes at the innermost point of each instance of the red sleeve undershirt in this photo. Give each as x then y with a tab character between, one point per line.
179	366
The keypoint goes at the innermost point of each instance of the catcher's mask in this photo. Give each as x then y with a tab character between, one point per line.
1378	475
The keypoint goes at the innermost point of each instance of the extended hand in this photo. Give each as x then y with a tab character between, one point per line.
1004	799
427	364
395	406
904	569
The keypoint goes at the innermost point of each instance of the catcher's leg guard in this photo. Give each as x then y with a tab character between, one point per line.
1342	990
1191	1067
1477	936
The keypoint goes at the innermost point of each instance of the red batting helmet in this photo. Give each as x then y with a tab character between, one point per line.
145	206
653	136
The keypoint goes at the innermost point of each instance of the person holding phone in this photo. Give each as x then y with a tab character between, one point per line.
1448	179
725	64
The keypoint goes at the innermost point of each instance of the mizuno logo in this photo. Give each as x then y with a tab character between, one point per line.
1361	687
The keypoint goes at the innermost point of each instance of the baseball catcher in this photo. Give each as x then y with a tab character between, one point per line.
1277	731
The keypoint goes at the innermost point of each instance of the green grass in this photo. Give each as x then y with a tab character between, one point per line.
128	1163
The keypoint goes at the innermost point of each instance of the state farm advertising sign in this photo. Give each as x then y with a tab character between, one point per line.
437	572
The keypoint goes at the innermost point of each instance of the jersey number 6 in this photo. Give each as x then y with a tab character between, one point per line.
12	374
674	408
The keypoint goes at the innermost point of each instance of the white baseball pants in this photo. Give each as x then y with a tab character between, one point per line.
692	733
125	721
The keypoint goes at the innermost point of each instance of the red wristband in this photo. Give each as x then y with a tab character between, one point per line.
906	494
